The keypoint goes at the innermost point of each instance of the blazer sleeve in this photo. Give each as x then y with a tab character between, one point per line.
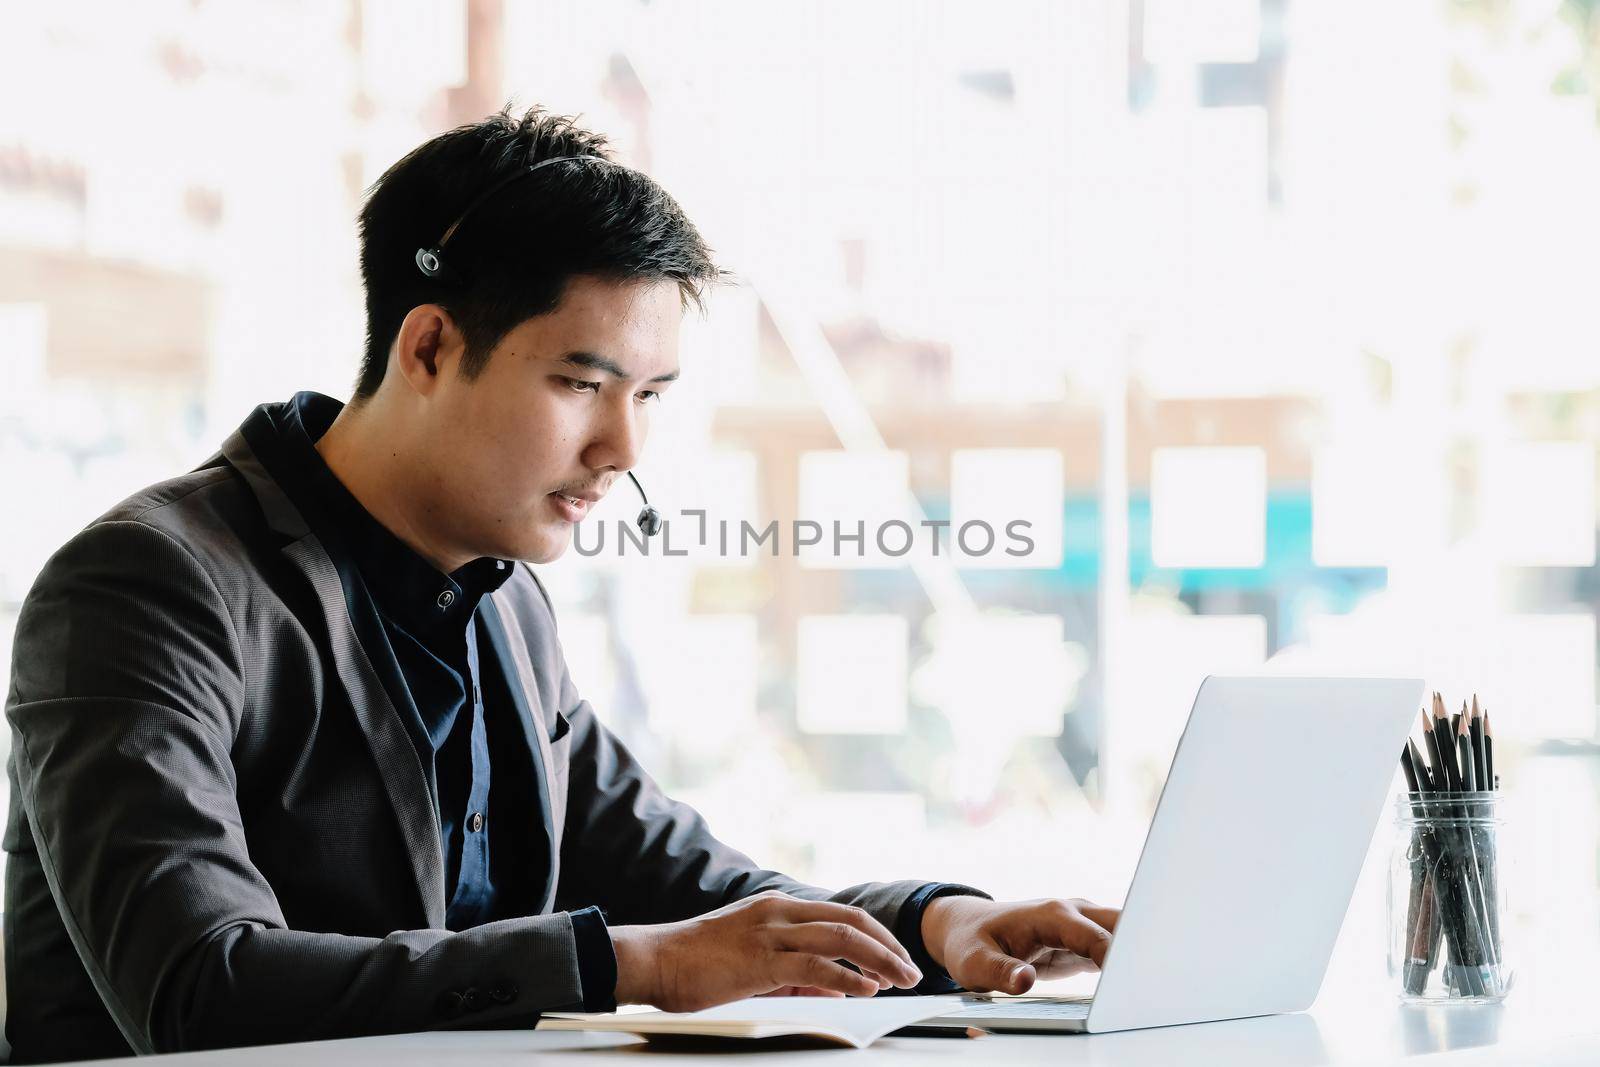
644	857
127	694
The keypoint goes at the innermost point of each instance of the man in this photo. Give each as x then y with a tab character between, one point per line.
296	754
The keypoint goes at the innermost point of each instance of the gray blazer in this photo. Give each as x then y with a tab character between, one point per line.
221	833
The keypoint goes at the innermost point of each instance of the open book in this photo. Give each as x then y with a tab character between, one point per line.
853	1021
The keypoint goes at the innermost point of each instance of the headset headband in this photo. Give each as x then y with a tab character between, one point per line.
431	260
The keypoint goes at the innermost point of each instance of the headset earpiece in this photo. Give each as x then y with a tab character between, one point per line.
429	263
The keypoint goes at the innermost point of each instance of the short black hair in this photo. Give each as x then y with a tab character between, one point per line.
514	256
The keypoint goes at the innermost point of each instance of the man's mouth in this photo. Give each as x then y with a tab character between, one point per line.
570	508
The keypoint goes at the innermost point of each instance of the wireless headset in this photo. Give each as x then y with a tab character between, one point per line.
432	263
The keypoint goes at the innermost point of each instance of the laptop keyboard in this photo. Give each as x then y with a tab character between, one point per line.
1022	1009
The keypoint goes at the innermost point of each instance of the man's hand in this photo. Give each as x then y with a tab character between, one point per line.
988	946
767	943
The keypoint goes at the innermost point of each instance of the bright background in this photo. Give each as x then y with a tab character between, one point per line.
1276	317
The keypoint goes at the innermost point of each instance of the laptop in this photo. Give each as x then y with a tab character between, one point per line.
1250	861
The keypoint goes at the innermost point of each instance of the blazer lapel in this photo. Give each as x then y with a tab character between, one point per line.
404	780
510	642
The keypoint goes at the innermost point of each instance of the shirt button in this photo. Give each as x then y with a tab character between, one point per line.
446	598
475	823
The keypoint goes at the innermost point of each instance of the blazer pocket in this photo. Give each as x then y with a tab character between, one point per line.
559	771
560	729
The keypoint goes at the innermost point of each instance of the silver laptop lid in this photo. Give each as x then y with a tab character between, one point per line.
1254	849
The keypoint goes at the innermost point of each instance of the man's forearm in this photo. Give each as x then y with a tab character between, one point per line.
253	985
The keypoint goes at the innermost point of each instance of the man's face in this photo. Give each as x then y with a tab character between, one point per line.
554	420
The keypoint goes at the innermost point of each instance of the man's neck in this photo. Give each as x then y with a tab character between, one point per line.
372	459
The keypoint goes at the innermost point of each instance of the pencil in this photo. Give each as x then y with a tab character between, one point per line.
1445	745
1414	970
1424	779
1469	772
1491	873
925	1030
1479	764
1431	750
1488	753
1479	857
1409	767
1421	930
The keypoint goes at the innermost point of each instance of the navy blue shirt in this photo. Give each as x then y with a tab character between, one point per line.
432	638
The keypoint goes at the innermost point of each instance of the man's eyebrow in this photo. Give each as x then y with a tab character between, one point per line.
609	366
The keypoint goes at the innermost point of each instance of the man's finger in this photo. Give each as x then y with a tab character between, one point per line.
804	969
800	911
989	970
840	941
1106	917
1058	924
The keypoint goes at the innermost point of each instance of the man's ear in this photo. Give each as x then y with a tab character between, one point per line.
428	347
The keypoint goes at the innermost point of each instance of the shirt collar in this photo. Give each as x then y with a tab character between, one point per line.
407	588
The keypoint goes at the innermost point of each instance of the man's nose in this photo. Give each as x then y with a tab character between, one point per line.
619	438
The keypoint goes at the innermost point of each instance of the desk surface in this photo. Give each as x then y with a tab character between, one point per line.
1337	1031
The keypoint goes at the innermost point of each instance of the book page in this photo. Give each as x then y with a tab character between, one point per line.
854	1021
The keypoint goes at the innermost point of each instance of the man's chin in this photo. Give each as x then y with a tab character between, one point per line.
547	544
531	541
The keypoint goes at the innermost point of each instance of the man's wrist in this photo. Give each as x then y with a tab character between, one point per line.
934	926
913	929
636	964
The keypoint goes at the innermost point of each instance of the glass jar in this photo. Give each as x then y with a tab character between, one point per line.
1447	901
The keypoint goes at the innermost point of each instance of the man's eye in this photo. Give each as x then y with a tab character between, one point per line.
648	395
578	385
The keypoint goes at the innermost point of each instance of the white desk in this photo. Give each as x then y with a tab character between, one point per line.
1338	1031
1551	1017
